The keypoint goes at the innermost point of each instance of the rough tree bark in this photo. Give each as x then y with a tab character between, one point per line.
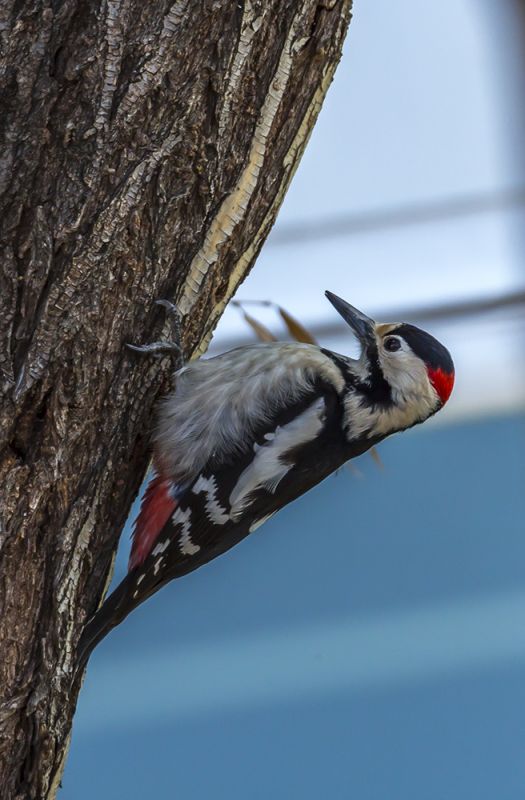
146	150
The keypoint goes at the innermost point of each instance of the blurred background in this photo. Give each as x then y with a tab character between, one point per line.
369	641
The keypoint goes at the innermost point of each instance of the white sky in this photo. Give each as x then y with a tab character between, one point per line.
414	115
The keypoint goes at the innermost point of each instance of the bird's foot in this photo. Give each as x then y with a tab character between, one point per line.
173	347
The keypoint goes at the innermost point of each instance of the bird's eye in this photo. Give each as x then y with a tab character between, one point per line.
392	344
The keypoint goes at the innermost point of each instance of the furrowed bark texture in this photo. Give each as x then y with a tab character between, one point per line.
146	150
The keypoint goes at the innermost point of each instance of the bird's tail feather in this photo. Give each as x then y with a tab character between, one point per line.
114	609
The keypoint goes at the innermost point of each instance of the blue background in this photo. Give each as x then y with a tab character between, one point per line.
367	642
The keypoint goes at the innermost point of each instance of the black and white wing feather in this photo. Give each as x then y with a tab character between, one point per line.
243	437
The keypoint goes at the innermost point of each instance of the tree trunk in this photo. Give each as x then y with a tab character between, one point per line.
146	150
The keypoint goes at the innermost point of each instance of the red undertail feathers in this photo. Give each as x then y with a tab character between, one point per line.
158	504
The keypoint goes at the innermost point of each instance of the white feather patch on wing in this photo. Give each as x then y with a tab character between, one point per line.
183	518
160	547
268	467
216	513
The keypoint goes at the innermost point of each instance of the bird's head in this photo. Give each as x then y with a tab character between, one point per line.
414	369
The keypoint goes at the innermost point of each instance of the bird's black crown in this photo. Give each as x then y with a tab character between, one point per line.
426	347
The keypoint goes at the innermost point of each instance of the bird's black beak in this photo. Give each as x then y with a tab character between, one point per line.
363	326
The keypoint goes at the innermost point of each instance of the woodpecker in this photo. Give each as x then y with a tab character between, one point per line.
245	433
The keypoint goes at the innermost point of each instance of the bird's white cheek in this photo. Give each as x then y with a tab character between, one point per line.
407	377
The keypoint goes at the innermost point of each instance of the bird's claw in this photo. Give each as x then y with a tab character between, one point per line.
170	307
155	348
172	347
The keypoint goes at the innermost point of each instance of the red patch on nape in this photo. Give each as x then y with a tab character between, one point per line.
443	382
156	508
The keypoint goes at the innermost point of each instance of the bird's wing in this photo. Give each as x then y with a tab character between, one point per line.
219	404
229	498
219	409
